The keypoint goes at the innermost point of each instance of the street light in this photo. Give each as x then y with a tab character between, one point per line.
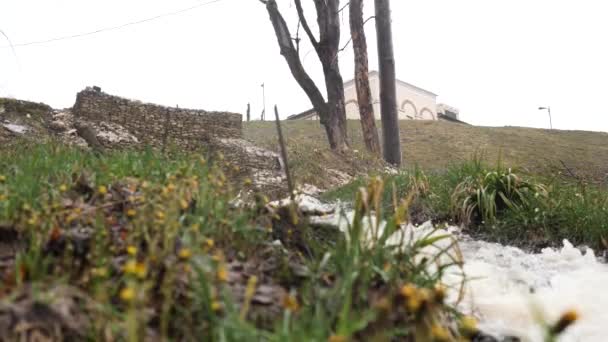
548	111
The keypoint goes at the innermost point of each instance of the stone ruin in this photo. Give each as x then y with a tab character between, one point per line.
120	123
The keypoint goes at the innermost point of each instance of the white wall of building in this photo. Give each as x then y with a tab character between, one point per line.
413	103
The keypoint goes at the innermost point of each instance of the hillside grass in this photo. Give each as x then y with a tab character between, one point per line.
434	145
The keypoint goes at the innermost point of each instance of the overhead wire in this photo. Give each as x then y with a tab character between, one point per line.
113	28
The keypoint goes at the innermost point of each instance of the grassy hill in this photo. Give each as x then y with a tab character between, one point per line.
434	145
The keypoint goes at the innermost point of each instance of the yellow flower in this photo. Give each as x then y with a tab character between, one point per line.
216	305
32	221
130	267
222	273
2	198
337	338
468	326
132	250
131	213
140	270
408	290
439	333
184	253
184	204
209	242
102	190
127	294
63	188
2	178
565	320
290	303
160	215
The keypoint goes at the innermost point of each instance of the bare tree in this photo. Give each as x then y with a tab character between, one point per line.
364	96
331	113
388	93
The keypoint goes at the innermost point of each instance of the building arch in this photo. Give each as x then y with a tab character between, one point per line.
428	112
351	107
409	109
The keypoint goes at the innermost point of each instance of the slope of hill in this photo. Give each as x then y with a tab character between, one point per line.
432	145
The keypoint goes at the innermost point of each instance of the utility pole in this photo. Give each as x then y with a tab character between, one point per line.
263	101
248	112
548	108
388	91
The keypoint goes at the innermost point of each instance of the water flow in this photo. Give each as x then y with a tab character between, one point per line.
512	291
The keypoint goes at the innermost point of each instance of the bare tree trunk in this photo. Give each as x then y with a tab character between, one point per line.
331	113
364	94
388	93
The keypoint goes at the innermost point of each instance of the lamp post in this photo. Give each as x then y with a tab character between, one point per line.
263	101
548	111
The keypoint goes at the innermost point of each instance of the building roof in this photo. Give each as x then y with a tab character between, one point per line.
302	115
409	85
441	116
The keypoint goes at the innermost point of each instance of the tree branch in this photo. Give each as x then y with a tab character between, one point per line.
307	29
351	38
290	54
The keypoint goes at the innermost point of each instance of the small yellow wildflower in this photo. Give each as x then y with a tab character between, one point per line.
131	213
130	267
2	178
102	190
222	273
160	215
63	188
140	270
337	338
32	221
468	326
408	290
210	243
439	333
413	304
132	250
290	302
184	204
565	320
2	197
127	294
216	305
184	253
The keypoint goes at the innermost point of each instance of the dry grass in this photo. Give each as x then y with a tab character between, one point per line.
434	145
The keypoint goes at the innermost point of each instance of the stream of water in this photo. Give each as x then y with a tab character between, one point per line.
512	292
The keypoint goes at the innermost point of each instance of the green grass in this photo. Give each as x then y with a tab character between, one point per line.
434	145
501	204
136	245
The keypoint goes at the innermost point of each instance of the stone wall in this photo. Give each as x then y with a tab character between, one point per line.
156	125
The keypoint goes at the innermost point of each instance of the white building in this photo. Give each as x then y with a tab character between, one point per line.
414	103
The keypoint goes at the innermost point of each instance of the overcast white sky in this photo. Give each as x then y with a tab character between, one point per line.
495	60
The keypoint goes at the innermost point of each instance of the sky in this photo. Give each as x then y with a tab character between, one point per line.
497	61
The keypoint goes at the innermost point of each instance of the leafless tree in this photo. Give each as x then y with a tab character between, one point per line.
364	96
331	112
388	93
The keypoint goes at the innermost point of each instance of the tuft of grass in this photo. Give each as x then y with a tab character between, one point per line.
499	203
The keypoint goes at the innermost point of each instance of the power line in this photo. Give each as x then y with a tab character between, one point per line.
114	28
